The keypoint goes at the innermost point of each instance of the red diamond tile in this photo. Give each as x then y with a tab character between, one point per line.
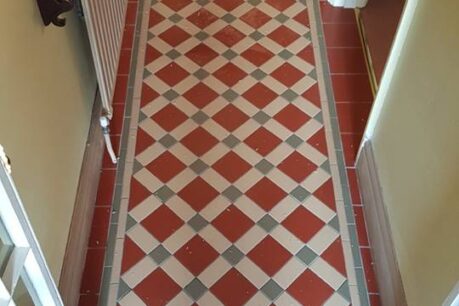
310	289
283	36
132	254
143	141
199	141
361	227
262	141
307	54
292	117
169	117
200	95
303	224
233	289
354	186
312	95
176	5
106	187
227	220
166	166
325	194
230	74
319	142
196	255
269	255
151	54
174	36
138	193
257	54
260	95
198	194
297	167
157	289
202	18
287	74
230	117
370	276
231	166
229	36
155	18
255	18
266	194
229	5
172	74
162	223
302	18
148	95
280	5
335	257
201	54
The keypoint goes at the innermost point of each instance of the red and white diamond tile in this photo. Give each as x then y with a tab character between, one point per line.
231	199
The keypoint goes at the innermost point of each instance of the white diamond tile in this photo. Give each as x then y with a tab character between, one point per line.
252	272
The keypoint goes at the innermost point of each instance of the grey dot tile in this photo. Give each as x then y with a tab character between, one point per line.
300	193
267	223
294	141
167	141
232	193
197	223
146	73
281	18
164	193
229	54
160	254
228	18
175	18
344	291
306	255
201	35
308	35
123	289
319	117
285	54
261	117
326	166
150	35
334	223
195	289
136	167
130	222
258	74
173	54
233	255
256	35
199	166
231	141
170	95
271	289
254	2
230	95
200	117
142	116
264	166
289	95
201	74
202	2
313	74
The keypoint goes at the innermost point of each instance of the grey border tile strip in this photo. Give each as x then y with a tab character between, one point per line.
349	211
112	239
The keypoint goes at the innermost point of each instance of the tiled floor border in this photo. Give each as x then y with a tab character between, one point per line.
115	242
353	260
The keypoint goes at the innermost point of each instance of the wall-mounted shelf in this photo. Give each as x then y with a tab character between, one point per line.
51	10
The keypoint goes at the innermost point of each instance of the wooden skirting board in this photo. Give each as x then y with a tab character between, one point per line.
379	232
80	227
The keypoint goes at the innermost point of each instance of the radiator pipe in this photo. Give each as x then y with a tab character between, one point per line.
105	123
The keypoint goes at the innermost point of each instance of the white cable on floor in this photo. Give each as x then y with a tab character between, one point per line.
104	123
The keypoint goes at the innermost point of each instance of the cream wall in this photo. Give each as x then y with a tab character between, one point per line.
47	88
416	144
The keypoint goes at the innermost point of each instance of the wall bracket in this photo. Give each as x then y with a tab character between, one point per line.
51	10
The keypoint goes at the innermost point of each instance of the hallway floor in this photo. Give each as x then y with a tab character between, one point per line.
232	187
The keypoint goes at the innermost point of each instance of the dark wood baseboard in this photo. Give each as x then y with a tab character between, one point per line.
379	231
80	227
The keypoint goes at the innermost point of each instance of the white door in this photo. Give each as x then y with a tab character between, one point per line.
24	275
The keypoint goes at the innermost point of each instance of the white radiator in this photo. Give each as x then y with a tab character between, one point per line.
105	21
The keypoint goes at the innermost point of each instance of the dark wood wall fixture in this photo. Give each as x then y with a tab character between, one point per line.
51	10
